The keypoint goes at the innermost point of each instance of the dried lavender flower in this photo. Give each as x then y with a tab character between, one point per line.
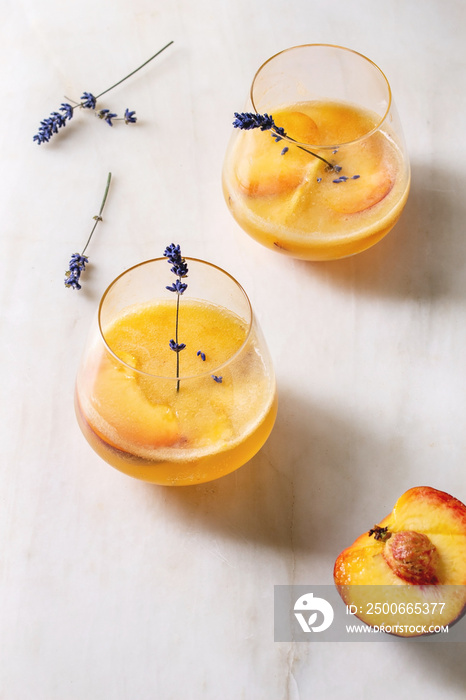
89	100
129	117
78	261
179	268
177	286
50	126
177	347
265	122
106	115
77	265
173	253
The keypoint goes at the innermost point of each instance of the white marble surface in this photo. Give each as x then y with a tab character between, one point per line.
112	588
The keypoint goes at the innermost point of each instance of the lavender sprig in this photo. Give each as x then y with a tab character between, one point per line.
265	122
180	269
79	261
51	125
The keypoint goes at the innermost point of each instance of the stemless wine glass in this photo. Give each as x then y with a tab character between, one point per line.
180	390
337	182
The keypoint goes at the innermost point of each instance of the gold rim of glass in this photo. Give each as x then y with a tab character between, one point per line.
341	48
173	377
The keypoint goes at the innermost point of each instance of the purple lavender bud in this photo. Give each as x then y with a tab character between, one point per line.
176	347
67	109
89	100
178	287
129	117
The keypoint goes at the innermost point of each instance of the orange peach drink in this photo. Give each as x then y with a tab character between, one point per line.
131	412
292	202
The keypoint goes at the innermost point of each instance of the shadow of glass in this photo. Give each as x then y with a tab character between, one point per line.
424	256
298	493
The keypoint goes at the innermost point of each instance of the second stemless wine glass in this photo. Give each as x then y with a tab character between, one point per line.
337	182
175	417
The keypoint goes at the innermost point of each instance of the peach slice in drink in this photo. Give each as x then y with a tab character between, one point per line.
364	180
122	404
263	169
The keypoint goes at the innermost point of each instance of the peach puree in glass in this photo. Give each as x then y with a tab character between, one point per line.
130	410
290	202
